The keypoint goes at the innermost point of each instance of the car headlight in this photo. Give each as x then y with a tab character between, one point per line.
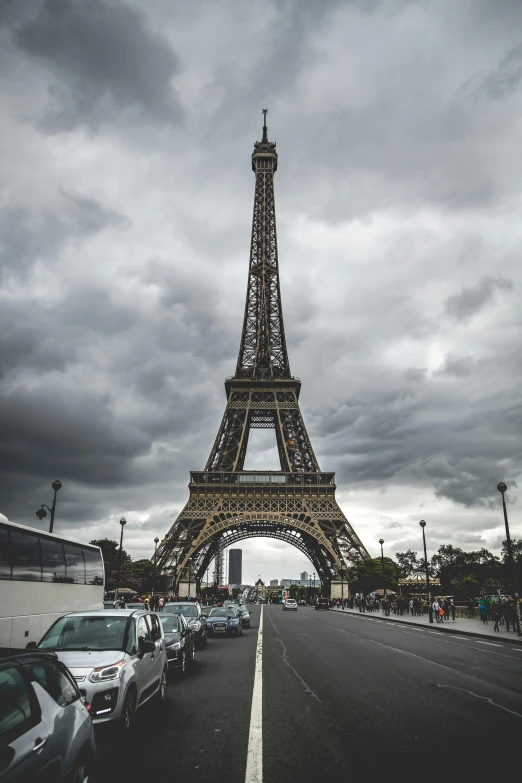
195	624
173	646
104	673
233	622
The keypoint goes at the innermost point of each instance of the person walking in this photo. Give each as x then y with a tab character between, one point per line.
495	613
452	609
483	611
436	606
510	614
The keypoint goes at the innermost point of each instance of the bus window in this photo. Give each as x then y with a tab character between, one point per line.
25	553
53	560
93	566
5	554
74	564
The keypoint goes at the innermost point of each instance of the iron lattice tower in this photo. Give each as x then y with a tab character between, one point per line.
227	504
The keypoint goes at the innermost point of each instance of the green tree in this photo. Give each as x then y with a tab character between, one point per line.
408	563
140	575
110	552
366	575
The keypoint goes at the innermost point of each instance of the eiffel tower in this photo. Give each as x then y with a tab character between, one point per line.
228	504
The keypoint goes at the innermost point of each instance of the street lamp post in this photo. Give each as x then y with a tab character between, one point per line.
156	542
41	513
190	574
123	522
422	523
502	487
381	542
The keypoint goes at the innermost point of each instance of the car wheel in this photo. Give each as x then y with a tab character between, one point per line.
129	711
163	688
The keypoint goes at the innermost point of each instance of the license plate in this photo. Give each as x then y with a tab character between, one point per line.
220	628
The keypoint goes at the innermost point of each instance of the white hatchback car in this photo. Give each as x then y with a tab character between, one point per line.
290	604
118	658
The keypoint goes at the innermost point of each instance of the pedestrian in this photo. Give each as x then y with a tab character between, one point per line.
436	606
452	609
441	613
483	611
471	608
510	614
495	613
160	604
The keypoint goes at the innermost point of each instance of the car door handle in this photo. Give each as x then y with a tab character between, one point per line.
39	743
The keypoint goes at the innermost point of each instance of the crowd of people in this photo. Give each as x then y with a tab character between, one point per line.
503	611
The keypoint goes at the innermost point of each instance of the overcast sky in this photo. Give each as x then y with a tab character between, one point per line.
126	199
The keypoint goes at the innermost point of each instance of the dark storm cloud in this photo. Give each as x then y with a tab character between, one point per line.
471	300
28	236
459	366
106	63
124	256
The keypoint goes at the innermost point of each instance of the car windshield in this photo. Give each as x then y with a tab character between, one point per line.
187	610
170	623
80	632
222	612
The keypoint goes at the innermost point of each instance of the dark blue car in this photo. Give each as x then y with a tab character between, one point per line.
224	620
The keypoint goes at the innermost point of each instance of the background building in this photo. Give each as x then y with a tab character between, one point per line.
304	576
274	583
235	566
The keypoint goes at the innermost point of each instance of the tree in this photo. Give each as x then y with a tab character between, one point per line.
366	574
409	563
140	575
110	552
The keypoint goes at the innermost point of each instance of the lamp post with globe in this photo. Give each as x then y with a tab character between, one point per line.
41	513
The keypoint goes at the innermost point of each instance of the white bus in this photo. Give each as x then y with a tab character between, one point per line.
43	576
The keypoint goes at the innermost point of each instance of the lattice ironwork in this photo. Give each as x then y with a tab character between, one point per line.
228	504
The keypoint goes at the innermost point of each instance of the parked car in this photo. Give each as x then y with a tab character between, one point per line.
117	657
322	603
46	732
290	604
179	641
223	620
191	611
244	614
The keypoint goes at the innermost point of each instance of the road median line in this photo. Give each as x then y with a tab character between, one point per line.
254	767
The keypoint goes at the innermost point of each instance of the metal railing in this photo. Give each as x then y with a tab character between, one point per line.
261	477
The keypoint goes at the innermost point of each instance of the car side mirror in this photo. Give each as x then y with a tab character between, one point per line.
30	646
146	646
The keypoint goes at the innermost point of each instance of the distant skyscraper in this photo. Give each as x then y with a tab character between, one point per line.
274	582
304	576
235	566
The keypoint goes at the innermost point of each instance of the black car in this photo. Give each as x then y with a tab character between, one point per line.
244	614
322	603
179	641
46	732
191	611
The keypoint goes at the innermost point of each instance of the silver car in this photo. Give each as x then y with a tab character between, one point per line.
46	732
117	657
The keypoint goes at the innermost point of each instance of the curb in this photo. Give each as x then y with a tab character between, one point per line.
434	627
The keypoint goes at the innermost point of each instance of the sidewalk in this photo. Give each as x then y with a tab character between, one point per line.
462	625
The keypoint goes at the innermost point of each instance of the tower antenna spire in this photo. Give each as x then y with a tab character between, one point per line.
265	136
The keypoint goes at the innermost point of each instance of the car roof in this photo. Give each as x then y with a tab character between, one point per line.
109	613
13	654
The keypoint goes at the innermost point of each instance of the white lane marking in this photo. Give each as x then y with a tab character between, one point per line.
254	767
491	644
484	698
286	661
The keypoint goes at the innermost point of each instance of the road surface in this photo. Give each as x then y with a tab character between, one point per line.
341	695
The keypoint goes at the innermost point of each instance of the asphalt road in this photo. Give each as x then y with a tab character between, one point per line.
342	695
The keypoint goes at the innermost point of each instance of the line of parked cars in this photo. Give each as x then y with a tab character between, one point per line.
93	668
